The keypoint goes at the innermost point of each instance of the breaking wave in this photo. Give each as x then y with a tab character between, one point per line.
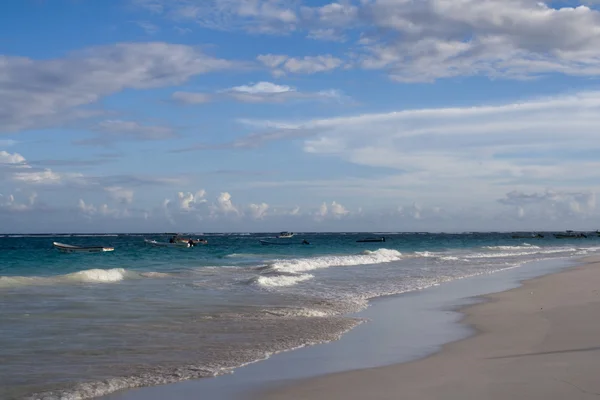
281	280
521	247
95	275
308	264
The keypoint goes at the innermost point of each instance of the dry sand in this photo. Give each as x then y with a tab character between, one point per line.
539	341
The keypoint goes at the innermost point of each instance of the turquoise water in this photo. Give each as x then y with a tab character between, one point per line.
83	325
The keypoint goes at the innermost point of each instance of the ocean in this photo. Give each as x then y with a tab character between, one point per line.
76	326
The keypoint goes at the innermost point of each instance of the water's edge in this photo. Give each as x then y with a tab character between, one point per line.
401	328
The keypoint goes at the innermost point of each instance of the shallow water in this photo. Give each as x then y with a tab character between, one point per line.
89	324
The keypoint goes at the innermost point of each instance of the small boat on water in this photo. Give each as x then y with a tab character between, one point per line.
371	240
167	244
570	235
191	241
285	235
532	236
68	248
286	243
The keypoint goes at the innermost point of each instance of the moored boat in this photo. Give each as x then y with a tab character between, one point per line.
68	248
532	236
285	235
191	241
286	243
570	235
167	244
371	240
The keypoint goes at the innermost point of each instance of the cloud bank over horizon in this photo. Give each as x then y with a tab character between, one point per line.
270	115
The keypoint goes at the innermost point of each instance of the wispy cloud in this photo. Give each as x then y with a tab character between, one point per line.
282	64
251	141
418	41
451	151
148	27
110	131
260	92
37	93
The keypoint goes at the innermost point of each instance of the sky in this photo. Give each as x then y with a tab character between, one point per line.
301	115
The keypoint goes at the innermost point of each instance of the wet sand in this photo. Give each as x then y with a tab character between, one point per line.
538	341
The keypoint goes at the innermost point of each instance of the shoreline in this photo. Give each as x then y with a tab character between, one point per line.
439	309
548	351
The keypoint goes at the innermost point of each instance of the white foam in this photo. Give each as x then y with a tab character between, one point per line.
308	264
522	253
95	275
521	247
282	280
297	312
156	274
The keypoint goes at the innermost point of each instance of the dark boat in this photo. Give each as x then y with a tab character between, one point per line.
538	236
286	243
373	240
570	235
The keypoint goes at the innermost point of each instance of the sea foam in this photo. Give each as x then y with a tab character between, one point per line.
95	275
308	264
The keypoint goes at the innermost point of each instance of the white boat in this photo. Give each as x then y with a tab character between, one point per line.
166	244
285	235
67	248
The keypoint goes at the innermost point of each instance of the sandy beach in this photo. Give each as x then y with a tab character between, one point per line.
539	341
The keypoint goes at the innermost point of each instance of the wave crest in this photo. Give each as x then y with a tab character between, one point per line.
281	280
308	264
95	275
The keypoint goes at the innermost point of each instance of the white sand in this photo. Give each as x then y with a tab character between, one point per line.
539	341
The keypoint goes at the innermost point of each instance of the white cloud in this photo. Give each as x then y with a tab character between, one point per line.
15	167
258	211
333	210
189	201
38	93
90	210
9	203
256	16
419	40
224	205
261	92
268	92
8	158
262	88
191	97
551	204
282	64
45	177
148	27
464	155
425	40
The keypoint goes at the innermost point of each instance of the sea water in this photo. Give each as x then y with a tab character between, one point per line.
75	326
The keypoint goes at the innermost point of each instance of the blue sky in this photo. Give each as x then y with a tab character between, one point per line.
269	115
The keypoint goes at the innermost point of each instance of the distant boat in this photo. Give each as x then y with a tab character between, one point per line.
285	235
286	243
371	240
67	248
167	244
191	241
532	236
570	235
